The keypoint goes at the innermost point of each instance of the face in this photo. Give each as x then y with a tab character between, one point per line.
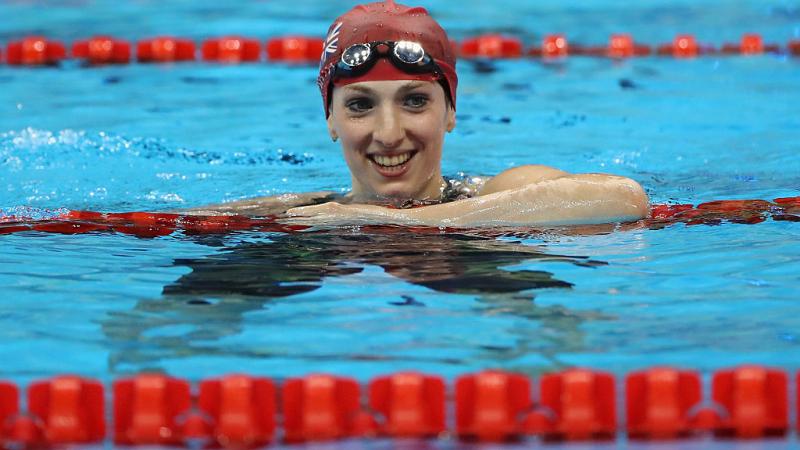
392	133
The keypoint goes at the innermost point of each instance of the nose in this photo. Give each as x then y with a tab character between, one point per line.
389	130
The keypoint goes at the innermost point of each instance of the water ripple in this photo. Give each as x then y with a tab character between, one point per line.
33	148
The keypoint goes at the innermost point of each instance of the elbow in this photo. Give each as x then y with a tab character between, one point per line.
622	199
637	204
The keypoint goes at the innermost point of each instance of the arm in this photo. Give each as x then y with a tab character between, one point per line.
520	176
553	198
565	200
264	206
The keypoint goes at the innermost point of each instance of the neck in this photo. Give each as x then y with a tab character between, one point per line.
431	191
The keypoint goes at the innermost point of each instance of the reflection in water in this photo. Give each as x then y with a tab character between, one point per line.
447	263
208	303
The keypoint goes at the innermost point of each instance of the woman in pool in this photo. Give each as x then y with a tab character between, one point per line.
388	84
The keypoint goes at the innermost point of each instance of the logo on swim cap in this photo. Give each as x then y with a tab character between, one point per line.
331	43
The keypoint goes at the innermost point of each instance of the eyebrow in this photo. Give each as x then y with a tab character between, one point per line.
363	89
411	85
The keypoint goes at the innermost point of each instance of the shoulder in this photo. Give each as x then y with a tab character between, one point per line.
519	176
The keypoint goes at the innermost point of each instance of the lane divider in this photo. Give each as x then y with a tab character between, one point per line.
297	49
236	411
151	225
165	49
231	49
38	50
35	51
102	50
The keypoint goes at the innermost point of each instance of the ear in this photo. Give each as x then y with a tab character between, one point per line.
334	136
451	119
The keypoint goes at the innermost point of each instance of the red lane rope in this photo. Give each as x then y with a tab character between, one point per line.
238	411
39	50
145	224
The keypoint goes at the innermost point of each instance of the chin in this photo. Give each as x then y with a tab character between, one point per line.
396	192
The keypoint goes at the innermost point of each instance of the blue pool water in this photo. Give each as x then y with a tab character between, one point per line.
356	303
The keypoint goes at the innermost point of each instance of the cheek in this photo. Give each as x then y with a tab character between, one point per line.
353	133
354	141
430	131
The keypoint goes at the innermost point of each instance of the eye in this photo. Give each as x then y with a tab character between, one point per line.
359	104
416	101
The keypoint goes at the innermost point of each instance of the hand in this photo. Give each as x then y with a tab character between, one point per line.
333	213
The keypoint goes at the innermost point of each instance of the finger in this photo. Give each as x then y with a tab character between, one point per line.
298	212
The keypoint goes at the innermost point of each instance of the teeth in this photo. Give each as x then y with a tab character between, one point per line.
390	161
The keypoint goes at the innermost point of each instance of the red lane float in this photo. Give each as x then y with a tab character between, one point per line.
788	202
756	206
35	51
231	49
146	410
683	46
165	49
658	401
623	46
10	229
71	409
666	212
620	46
68	227
143	224
102	50
321	407
295	49
9	409
553	46
750	44
242	410
583	404
491	46
412	404
794	47
755	399
490	405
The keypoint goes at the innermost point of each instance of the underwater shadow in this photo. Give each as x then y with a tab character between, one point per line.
209	302
297	263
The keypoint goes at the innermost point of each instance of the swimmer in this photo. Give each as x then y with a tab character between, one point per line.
388	83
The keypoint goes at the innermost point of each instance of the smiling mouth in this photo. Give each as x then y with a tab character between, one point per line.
394	161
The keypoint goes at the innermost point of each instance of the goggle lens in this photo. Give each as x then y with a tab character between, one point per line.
356	55
409	52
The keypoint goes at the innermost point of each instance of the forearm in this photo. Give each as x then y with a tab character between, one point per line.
569	200
573	199
263	206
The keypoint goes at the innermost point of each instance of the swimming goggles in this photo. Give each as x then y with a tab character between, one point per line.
407	56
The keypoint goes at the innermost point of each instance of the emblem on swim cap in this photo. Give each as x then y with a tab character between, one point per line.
387	21
331	42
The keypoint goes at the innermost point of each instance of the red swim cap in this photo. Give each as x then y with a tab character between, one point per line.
387	21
